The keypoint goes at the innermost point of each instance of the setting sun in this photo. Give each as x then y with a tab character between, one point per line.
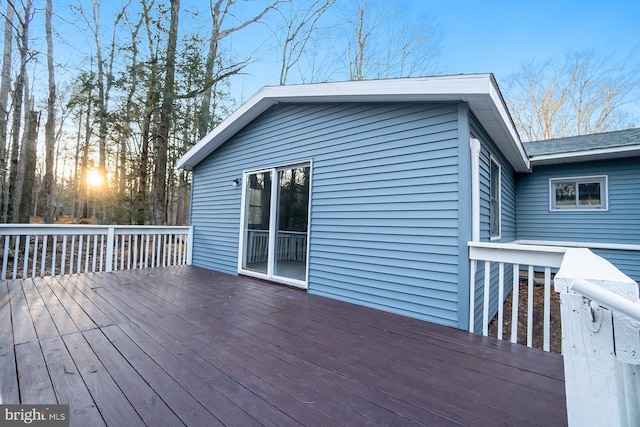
94	179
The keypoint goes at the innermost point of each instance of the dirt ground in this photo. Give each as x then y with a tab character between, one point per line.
538	318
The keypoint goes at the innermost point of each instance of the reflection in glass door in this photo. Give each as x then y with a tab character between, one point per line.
276	223
292	224
256	221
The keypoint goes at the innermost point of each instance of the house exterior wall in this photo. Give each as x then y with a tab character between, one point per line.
488	152
619	224
386	201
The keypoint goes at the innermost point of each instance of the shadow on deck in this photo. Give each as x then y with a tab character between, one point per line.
184	345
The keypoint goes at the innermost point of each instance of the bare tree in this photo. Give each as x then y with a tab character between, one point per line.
28	162
166	113
50	132
383	42
18	98
584	93
300	24
5	83
221	10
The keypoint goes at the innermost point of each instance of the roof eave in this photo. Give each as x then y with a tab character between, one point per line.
586	155
480	91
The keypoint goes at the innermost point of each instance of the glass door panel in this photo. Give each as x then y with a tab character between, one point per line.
256	222
290	260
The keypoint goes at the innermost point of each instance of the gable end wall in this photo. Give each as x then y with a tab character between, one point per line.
384	203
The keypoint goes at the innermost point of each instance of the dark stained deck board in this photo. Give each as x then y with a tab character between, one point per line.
61	318
186	345
185	406
33	376
114	407
151	408
8	376
42	321
23	329
77	313
68	384
361	372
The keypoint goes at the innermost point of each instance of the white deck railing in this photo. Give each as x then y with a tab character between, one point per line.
600	309
290	245
31	250
492	258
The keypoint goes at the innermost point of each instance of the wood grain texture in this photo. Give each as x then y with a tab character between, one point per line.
188	346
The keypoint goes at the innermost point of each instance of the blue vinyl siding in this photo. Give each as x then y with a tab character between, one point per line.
384	201
619	224
507	219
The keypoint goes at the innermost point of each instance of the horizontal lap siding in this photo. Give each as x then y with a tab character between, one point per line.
508	218
384	203
620	224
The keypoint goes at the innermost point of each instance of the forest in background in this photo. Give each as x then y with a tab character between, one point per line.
99	99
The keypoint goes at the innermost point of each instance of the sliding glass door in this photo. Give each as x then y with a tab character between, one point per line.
276	223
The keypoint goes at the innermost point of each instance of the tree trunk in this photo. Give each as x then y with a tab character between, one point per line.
49	128
28	165
18	98
5	83
166	113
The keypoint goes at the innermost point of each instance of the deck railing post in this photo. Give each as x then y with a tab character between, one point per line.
190	245
110	249
600	341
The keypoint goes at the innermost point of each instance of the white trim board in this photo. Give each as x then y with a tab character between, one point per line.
588	245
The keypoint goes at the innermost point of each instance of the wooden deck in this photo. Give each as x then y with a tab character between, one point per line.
183	345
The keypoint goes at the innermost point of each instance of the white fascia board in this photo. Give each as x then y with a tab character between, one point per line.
478	90
581	156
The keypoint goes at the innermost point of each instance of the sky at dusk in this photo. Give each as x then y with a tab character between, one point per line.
495	36
498	36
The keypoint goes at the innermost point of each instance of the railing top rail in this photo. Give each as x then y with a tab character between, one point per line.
61	229
518	246
547	256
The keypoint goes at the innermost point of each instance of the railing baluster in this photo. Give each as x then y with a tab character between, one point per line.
547	308
122	236
16	251
515	302
159	250
500	298
153	251
53	255
164	250
530	307
146	251
80	240
472	295
135	251
86	254
72	253
5	257
95	253
101	252
44	255
25	266
129	253
485	311
63	255
34	263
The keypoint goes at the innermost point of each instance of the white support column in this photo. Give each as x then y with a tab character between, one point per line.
190	245
474	145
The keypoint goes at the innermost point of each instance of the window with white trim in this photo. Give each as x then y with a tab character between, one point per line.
578	193
494	206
